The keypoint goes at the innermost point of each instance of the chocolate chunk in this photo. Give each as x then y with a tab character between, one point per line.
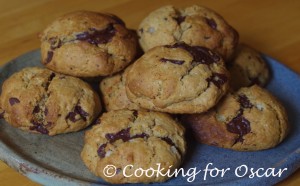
211	22
201	55
72	116
36	109
217	79
142	135
244	101
123	135
2	115
179	19
135	113
46	111
101	150
239	125
55	43
177	62
13	101
168	140
49	57
39	127
96	37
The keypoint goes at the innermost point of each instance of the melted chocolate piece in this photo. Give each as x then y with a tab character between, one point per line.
39	127
239	125
13	101
49	57
175	61
123	135
101	150
2	115
72	116
211	22
81	112
244	101
179	19
77	111
96	37
217	79
201	55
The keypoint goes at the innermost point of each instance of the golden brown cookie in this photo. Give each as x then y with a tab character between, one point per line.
41	101
138	138
114	94
248	68
87	44
194	25
250	119
177	78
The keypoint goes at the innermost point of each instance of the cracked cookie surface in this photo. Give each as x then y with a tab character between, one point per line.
247	120
177	78
194	25
41	101
248	68
114	94
138	138
87	44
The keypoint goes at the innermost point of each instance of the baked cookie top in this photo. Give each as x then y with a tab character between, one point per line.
138	138
177	78
114	94
41	101
194	25
248	120
87	44
248	68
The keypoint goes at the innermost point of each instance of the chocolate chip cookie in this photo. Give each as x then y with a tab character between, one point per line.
194	25
41	101
177	78
138	138
248	68
250	119
114	94
87	44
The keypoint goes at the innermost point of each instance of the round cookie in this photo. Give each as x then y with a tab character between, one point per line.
250	119
194	25
41	101
138	138
248	68
114	95
87	44
177	78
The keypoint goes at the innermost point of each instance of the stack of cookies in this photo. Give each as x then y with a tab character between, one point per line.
193	74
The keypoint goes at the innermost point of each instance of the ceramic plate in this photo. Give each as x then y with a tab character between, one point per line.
56	160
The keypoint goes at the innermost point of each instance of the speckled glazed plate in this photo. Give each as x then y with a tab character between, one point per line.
56	160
